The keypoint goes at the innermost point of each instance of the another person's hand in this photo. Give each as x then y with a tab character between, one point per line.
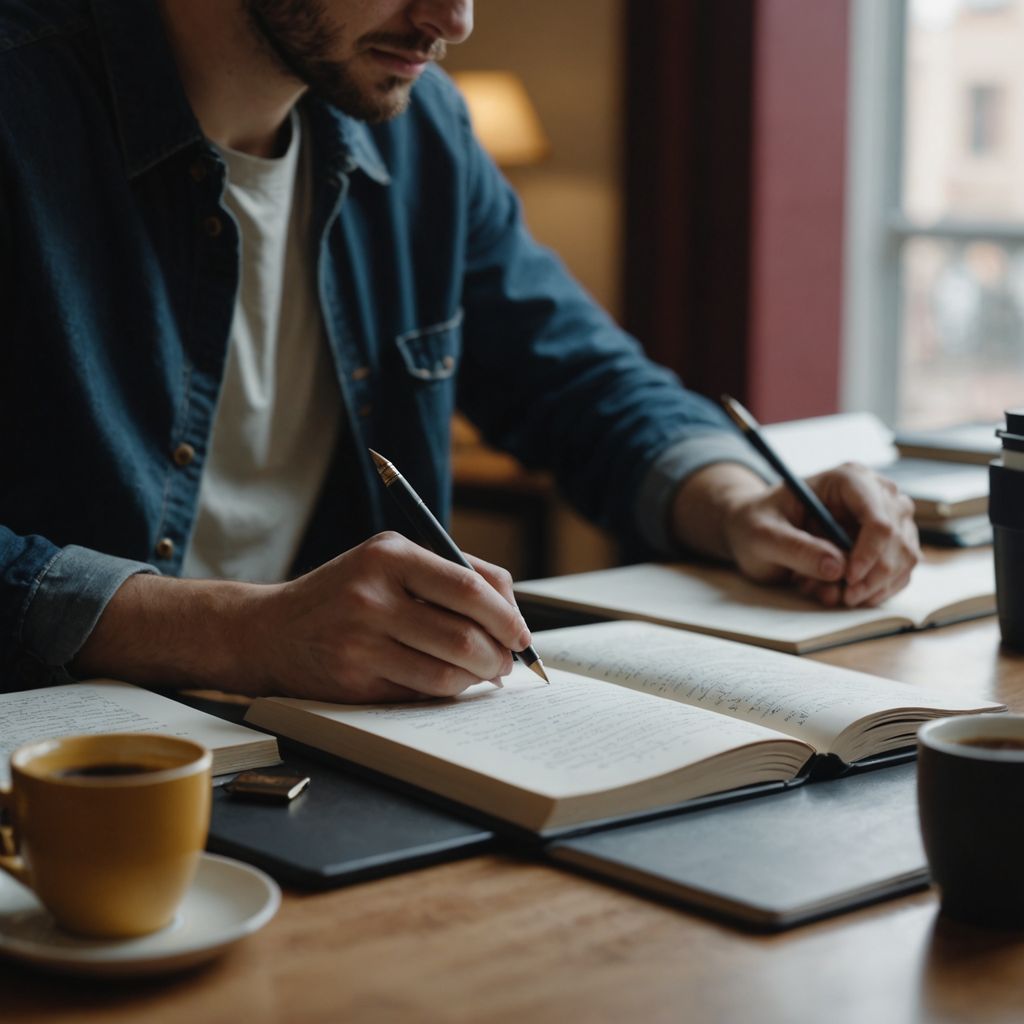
726	510
385	621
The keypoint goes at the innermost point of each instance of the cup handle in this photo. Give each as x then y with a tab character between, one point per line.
9	860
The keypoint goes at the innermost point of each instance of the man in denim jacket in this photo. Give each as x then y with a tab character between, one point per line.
237	249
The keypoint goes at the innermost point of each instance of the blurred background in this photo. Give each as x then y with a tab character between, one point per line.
816	205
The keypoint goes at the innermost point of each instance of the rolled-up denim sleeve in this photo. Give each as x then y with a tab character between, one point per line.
51	600
672	467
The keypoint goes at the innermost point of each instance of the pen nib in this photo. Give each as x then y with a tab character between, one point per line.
536	666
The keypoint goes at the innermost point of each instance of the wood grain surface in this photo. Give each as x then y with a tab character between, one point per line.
497	939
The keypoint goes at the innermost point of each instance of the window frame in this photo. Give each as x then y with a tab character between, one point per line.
878	228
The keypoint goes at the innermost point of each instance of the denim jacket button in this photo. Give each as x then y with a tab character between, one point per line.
165	548
361	373
184	454
197	170
213	226
365	411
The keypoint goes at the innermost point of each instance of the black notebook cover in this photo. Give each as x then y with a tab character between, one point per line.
344	828
806	853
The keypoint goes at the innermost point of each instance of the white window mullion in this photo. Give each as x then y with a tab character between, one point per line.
871	308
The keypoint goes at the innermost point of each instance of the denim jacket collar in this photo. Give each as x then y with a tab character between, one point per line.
351	145
153	114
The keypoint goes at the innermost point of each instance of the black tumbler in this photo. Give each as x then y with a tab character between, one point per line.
1006	511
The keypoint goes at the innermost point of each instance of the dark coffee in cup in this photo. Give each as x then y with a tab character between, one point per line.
970	788
94	771
996	743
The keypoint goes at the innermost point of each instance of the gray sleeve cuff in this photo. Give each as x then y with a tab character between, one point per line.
70	595
673	466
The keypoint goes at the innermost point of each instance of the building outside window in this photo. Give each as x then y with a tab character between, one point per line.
984	109
936	210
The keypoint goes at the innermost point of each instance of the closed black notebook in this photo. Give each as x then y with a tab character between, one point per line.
344	828
803	854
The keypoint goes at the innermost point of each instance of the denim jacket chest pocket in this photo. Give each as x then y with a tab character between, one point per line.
431	354
429	363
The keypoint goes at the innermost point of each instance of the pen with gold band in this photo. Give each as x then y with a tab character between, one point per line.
435	537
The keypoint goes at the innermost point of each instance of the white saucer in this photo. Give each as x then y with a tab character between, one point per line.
226	901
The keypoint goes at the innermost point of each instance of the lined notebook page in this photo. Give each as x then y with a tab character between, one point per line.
803	698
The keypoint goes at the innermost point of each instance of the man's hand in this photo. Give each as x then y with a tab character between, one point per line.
726	511
387	620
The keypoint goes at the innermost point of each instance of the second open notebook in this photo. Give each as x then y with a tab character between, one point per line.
718	600
637	718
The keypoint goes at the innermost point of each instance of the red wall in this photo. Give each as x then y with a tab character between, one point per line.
797	181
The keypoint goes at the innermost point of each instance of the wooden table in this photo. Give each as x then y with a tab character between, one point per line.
495	939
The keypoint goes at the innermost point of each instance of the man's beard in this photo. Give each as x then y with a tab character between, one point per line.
300	38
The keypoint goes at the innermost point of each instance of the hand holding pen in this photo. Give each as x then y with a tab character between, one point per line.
815	509
434	536
872	564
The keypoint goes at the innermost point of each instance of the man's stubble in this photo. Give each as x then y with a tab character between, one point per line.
300	38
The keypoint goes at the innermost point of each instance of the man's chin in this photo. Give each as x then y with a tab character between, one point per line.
373	104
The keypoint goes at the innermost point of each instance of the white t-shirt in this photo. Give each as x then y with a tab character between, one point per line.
279	409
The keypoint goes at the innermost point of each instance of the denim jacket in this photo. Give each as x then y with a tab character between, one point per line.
119	267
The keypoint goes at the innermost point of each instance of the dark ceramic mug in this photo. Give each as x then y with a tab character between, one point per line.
971	806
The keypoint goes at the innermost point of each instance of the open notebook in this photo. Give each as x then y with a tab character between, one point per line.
637	719
102	705
717	600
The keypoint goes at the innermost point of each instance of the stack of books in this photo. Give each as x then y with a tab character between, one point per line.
972	444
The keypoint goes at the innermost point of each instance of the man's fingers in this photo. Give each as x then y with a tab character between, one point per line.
450	639
468	593
886	547
387	620
883	548
421	673
779	542
890	574
890	550
498	577
828	594
880	596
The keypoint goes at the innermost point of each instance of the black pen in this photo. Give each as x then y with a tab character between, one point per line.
435	537
751	430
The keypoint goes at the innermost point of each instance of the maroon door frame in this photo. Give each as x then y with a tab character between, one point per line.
735	160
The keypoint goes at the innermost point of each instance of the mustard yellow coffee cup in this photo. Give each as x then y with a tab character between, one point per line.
107	829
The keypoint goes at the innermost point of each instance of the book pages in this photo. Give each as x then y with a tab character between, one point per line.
807	699
575	736
718	600
107	706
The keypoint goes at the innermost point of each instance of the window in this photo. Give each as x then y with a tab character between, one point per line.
984	106
935	257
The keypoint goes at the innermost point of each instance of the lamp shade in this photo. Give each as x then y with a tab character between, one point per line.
504	119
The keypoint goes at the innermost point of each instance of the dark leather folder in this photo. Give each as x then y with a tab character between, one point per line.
804	853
